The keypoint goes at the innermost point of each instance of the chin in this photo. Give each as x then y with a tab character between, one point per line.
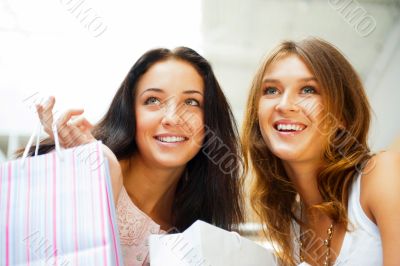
171	161
286	155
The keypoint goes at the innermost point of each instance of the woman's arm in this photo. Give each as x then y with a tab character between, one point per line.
381	198
115	172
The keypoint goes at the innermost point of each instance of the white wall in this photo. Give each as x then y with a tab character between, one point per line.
383	85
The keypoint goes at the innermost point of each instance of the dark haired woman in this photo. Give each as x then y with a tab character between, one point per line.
323	198
160	127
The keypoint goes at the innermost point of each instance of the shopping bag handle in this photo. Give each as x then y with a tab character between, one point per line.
28	146
56	140
38	132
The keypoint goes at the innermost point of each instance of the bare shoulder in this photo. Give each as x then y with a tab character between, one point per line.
382	167
381	183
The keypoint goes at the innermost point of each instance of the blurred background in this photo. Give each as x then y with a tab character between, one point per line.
80	50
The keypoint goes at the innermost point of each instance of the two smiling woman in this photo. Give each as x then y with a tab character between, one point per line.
308	189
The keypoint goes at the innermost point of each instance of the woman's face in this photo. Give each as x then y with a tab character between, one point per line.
169	114
290	111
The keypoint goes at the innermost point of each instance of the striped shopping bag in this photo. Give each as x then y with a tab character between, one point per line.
57	209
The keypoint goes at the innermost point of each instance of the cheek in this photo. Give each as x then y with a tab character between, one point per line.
194	121
140	130
139	121
313	109
197	129
263	125
144	121
264	112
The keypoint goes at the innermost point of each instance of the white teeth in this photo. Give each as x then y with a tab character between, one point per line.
171	139
292	127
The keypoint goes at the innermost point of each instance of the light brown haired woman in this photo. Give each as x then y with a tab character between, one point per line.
322	196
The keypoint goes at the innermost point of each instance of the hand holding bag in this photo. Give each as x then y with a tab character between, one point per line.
57	209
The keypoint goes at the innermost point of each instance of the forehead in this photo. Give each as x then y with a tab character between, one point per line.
171	75
287	66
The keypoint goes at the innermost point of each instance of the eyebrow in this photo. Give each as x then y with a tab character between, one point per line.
192	91
162	91
277	80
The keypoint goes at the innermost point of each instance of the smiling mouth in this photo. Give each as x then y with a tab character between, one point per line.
171	139
285	127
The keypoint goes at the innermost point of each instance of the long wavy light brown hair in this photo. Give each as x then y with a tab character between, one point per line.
345	124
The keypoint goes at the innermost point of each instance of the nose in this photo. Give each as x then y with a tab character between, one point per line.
288	103
172	114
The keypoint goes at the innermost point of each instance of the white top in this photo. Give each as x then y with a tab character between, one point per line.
362	245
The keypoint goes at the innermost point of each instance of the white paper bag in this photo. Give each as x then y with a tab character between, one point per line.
203	244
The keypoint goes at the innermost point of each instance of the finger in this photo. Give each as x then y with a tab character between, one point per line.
73	137
67	116
70	137
84	127
39	110
82	123
46	122
64	136
49	104
77	138
46	112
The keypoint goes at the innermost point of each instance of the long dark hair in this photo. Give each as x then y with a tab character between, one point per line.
212	191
